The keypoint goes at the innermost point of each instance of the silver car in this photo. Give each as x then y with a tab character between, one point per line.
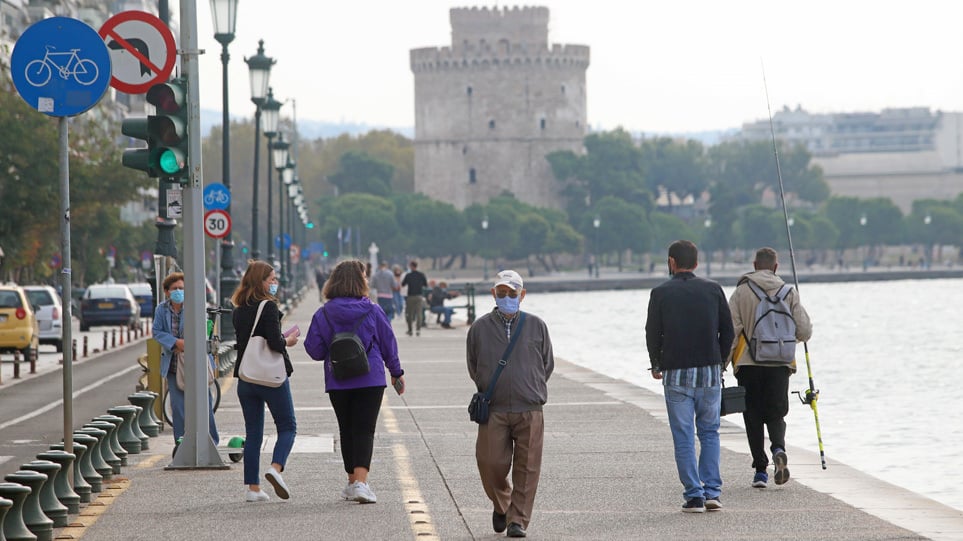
46	302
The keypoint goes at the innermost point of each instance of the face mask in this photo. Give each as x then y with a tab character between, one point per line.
273	289
508	305
177	296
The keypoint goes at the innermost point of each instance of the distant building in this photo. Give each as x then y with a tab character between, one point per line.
493	104
903	154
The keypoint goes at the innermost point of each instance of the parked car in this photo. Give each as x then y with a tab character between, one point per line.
108	304
18	322
145	298
49	314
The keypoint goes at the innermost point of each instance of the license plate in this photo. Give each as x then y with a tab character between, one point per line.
105	305
46	325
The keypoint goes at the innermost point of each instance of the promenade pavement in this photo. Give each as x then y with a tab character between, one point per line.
608	472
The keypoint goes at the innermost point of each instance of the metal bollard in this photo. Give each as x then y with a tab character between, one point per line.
62	489
121	333
113	338
85	346
99	458
33	353
128	440
144	419
16	364
5	506
73	350
107	444
49	504
13	525
87	469
114	439
80	485
105	341
128	335
33	516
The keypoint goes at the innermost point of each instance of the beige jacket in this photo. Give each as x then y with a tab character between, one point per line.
743	305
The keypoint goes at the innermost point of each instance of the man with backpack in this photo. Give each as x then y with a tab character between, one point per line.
768	320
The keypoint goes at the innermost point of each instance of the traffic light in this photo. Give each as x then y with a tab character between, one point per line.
167	129
138	158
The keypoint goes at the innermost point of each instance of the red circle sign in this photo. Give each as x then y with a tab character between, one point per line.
142	50
217	223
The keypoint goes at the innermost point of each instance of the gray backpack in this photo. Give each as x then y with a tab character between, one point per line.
774	334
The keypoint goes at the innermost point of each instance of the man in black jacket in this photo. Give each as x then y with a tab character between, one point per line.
688	333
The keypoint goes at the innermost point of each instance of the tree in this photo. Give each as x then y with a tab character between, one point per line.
622	226
359	172
679	168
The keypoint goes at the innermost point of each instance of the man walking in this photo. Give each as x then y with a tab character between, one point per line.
767	384
511	440
416	282
687	332
383	282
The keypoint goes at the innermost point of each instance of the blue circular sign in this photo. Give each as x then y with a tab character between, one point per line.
286	238
60	66
216	196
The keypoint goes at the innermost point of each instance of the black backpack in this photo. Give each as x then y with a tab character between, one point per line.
346	352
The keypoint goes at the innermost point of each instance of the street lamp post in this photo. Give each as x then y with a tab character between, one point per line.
928	246
708	223
279	154
862	224
595	245
224	14
259	68
271	109
285	177
484	225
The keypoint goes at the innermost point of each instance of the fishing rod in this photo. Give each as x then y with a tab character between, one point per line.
812	393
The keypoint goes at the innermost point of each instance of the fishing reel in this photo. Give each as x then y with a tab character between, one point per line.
812	395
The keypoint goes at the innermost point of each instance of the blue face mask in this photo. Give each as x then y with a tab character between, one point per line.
177	296
273	289
508	305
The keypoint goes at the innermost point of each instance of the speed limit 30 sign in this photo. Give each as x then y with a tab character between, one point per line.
217	223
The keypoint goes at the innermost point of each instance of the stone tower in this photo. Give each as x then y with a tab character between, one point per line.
493	104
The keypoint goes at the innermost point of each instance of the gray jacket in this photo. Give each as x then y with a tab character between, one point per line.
523	384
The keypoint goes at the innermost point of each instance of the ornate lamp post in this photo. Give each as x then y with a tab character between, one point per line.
862	225
484	225
596	223
285	178
928	255
259	68
279	155
271	109
708	224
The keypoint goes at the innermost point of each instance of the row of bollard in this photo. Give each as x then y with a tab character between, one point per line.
113	338
38	498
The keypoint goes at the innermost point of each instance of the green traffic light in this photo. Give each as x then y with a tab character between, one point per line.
170	161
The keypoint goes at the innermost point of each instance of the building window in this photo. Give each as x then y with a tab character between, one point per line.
542	123
563	90
472	177
468	90
491	124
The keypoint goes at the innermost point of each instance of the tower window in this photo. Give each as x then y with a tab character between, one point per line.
542	123
468	91
472	177
491	124
563	89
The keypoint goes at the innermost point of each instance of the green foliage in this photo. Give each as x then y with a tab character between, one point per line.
359	172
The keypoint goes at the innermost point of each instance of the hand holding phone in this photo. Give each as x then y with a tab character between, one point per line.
399	385
295	330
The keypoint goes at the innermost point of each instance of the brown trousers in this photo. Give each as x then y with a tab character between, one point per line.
511	442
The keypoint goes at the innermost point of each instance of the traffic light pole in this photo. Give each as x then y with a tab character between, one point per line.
198	449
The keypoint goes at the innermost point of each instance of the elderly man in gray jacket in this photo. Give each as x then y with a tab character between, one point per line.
511	440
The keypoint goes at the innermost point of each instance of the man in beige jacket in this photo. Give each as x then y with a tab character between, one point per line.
767	384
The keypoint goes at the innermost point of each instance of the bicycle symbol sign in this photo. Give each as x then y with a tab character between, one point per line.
216	196
60	66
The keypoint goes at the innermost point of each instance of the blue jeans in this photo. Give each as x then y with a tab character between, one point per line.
388	305
399	302
177	410
443	310
695	410
278	399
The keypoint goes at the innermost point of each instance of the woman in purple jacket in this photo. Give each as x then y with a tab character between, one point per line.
356	400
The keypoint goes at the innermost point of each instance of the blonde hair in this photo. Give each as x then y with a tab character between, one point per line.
252	287
347	280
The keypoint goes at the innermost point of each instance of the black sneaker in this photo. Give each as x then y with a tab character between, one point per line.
515	530
714	504
694	505
781	461
498	522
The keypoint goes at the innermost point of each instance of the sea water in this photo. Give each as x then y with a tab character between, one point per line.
885	356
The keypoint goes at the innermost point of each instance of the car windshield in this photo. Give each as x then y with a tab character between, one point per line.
106	293
40	297
140	289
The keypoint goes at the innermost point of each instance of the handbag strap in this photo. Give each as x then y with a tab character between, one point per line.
504	360
257	318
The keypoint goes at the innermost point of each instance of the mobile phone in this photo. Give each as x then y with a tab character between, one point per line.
293	330
399	385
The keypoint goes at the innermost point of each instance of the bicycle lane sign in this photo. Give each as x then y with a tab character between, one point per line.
216	196
60	66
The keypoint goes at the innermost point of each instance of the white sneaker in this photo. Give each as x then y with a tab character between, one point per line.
348	492
259	496
280	487
363	493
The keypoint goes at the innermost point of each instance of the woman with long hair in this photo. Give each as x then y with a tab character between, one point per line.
258	284
356	399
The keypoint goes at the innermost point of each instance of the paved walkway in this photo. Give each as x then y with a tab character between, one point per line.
608	473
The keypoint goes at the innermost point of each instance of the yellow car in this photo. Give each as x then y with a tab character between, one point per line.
18	323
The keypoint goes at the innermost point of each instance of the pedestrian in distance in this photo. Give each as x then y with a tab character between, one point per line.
436	302
688	332
260	283
168	330
383	282
357	399
416	282
766	383
396	290
511	441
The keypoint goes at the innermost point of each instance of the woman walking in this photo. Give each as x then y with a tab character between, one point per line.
260	284
356	399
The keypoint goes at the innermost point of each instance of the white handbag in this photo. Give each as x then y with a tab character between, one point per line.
260	364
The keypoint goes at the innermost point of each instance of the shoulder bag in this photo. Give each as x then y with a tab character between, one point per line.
478	408
260	364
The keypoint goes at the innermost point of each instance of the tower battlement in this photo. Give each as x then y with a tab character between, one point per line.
516	24
488	55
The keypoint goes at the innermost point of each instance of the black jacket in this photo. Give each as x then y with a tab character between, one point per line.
269	326
689	323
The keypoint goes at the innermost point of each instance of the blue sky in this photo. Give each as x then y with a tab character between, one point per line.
668	67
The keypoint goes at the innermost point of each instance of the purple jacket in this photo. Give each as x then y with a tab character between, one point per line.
375	332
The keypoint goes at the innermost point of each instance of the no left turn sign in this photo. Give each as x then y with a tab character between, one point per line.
217	223
142	50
